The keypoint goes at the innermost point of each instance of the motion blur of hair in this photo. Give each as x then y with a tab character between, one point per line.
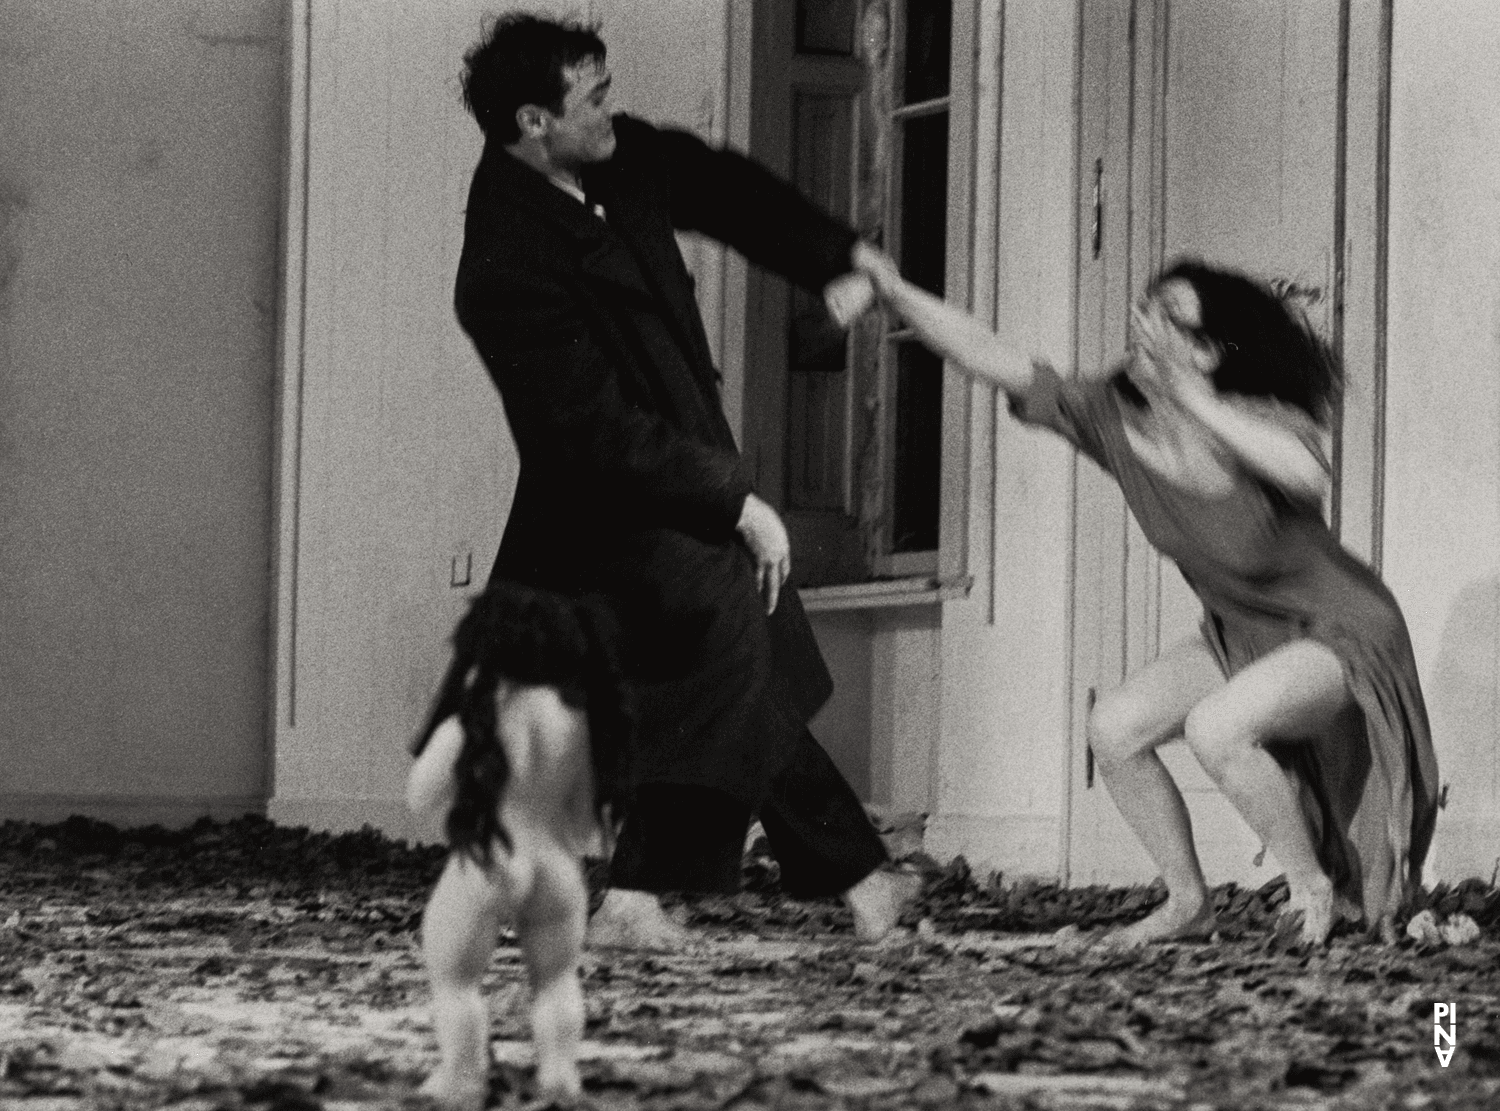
520	60
1267	347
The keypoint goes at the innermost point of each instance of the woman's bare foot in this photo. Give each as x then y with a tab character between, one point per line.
1311	910
1175	920
558	1083
454	1092
878	900
634	920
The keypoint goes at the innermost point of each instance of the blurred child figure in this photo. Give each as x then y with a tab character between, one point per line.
523	763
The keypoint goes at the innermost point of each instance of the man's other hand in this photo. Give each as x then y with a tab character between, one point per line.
766	537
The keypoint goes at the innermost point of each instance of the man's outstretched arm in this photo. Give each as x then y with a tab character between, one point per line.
739	202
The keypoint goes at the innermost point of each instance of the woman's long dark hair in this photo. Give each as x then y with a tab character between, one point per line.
1268	349
533	638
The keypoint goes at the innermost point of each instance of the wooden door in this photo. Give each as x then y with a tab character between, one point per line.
803	434
1211	129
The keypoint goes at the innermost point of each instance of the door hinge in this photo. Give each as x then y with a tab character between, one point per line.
1088	750
1098	232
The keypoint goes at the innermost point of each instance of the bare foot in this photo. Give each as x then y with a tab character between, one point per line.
634	920
878	900
1310	908
454	1092
1174	920
557	1083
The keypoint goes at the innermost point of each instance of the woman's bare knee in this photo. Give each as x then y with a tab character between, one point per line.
1148	709
1217	735
1291	694
1118	729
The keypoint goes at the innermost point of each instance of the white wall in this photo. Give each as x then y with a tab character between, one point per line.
881	725
1001	784
139	199
1442	509
395	459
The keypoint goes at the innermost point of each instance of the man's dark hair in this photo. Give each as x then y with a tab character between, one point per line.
520	60
1268	348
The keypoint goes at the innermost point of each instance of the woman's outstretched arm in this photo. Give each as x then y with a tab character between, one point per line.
968	343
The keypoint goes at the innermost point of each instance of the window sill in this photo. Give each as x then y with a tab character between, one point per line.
885	593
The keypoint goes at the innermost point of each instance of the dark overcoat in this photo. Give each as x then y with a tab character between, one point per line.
631	484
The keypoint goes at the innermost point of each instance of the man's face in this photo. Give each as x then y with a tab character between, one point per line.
585	131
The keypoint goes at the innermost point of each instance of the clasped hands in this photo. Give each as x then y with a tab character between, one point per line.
849	296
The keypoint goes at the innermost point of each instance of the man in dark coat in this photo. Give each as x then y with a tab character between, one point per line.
574	292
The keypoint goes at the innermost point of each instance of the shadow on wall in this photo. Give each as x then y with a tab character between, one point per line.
1462	702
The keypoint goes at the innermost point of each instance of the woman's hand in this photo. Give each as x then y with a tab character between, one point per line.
1171	363
878	266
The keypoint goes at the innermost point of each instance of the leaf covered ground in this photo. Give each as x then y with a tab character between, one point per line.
243	965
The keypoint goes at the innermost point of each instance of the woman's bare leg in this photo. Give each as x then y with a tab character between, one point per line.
1125	729
459	929
1293	693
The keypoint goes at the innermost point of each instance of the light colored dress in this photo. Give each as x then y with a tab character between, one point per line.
1268	571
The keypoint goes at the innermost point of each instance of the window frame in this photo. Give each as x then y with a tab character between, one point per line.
948	563
937	574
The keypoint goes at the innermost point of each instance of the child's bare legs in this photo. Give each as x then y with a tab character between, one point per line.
550	927
1125	729
459	929
1293	693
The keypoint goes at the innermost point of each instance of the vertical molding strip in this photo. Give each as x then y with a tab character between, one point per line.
956	456
1360	286
739	19
1381	276
1340	253
291	360
989	90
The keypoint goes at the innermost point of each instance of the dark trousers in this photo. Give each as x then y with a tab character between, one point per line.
681	838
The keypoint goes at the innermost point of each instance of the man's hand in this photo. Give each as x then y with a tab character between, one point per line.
848	296
766	537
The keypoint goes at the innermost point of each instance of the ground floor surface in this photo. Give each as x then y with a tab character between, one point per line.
243	965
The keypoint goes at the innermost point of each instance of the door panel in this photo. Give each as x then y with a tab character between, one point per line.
804	434
1217	120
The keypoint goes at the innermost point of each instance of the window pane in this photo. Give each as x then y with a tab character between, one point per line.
929	28
918	448
924	201
817	389
825	26
816	408
822	139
